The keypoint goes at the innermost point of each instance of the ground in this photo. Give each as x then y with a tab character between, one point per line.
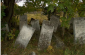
7	47
70	49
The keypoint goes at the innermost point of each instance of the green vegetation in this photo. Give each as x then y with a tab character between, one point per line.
10	13
70	49
2	11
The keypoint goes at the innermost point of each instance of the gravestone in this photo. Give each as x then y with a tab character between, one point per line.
7	28
35	25
54	21
24	36
79	30
23	20
45	35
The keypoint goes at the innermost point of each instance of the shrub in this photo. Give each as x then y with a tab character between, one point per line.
2	11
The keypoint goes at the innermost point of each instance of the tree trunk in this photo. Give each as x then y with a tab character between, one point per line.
8	11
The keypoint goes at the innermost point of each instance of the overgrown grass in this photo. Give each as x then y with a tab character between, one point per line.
70	49
7	47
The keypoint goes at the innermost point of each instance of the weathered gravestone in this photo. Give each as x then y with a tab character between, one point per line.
45	35
54	21
24	36
79	30
5	28
35	25
23	20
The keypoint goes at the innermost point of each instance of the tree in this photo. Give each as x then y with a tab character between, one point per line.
8	11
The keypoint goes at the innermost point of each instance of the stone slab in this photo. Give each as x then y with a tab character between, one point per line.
35	24
23	20
54	21
7	27
45	35
24	36
79	29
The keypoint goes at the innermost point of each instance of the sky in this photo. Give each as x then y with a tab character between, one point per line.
21	3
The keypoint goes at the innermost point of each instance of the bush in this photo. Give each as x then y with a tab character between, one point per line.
2	11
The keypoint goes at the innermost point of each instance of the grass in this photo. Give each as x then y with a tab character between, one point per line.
70	49
40	17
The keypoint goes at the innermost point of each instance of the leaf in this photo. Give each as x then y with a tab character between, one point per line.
51	8
61	6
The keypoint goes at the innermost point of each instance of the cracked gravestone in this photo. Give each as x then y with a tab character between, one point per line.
45	35
54	21
24	36
23	20
79	30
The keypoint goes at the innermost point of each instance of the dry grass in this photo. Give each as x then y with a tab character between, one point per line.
36	16
39	17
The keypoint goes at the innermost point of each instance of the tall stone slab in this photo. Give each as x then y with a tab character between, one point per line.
23	20
24	36
45	35
35	24
54	21
79	30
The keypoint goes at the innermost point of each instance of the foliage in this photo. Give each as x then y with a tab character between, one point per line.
65	22
2	11
28	7
50	49
69	7
81	9
11	34
3	34
72	52
19	10
15	20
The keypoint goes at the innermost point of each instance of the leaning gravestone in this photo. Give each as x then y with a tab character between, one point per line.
79	30
24	36
23	20
35	24
45	35
54	21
